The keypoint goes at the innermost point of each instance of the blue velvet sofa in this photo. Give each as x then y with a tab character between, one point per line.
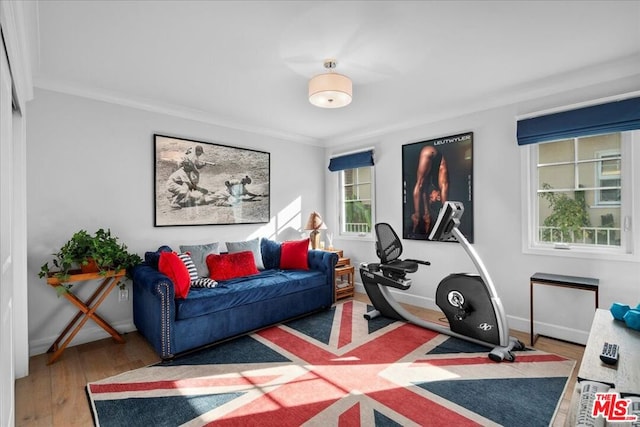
234	307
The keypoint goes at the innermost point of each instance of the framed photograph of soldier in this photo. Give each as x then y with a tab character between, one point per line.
433	172
204	183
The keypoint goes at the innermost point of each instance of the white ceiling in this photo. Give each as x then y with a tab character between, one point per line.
246	64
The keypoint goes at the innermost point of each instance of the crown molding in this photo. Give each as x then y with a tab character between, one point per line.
623	68
154	106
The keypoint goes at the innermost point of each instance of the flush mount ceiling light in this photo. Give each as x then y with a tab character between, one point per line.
330	90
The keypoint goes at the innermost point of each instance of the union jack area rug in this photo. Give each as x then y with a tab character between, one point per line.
335	368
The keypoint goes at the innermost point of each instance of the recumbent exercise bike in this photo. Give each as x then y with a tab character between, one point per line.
469	301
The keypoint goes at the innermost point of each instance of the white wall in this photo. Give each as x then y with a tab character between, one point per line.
497	222
90	166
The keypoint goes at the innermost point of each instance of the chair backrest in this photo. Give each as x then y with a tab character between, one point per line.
388	244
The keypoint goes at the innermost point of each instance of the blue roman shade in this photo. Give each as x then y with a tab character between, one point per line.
615	116
351	161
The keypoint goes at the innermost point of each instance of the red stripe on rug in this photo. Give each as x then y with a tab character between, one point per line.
350	417
175	384
387	348
422	411
346	324
393	345
479	360
291	404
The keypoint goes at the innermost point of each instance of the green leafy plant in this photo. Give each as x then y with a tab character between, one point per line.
569	215
83	248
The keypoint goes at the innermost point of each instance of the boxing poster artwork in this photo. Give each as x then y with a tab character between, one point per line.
434	172
202	183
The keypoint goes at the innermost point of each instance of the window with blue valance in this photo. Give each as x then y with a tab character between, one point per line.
351	161
611	117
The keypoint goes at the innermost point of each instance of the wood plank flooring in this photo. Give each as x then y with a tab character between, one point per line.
55	395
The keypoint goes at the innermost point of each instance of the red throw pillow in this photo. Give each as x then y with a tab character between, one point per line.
294	255
170	265
230	266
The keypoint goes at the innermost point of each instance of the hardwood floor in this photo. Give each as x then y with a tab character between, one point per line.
55	395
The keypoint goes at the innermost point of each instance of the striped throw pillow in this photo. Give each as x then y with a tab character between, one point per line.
204	282
191	267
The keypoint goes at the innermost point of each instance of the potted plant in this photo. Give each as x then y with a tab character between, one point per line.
83	250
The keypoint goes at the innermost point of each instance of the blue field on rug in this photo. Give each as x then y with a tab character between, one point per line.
337	368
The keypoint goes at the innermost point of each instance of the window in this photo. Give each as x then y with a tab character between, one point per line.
357	201
356	192
580	196
579	192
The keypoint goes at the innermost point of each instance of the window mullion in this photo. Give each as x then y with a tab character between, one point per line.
576	173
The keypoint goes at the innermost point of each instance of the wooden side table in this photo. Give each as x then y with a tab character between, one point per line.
87	310
343	285
346	287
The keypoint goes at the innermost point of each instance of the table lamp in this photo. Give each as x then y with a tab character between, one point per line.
314	224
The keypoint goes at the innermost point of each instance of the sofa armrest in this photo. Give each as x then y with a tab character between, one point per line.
154	308
148	279
323	261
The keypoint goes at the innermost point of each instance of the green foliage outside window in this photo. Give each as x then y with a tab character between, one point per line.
568	218
356	212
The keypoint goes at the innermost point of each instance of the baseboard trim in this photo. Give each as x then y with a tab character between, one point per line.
515	323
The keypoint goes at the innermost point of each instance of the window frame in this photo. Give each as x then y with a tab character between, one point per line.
341	207
630	208
604	156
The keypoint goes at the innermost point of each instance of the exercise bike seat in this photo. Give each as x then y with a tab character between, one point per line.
389	249
400	266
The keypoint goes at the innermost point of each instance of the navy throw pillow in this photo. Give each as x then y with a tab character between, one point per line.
153	258
270	253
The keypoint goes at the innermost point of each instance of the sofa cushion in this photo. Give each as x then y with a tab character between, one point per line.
199	255
230	266
171	266
270	253
268	284
294	255
252	245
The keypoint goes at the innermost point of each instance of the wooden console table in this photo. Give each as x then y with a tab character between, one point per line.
573	282
87	311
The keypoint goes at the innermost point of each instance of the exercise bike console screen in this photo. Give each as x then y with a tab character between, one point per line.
448	218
